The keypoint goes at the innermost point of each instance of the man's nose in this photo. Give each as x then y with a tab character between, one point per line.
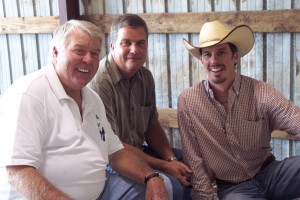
88	57
134	48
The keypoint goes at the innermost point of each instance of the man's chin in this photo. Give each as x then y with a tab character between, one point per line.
134	66
219	80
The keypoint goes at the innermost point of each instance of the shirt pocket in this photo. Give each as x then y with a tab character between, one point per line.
254	135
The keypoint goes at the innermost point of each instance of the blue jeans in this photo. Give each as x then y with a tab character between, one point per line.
279	180
121	188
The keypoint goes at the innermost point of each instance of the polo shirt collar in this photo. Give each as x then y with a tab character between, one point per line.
60	92
116	75
55	83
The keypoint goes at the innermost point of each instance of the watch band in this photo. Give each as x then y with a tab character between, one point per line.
155	174
171	159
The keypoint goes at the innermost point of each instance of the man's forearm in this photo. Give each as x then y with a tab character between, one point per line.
123	162
28	182
157	140
151	161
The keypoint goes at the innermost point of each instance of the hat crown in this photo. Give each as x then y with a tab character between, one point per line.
212	33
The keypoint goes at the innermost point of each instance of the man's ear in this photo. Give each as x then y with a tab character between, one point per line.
55	52
54	55
236	55
112	47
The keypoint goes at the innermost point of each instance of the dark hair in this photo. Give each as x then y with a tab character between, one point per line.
232	47
127	20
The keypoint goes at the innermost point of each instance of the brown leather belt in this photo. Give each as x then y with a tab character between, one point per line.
268	161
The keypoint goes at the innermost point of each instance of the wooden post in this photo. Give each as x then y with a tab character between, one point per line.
68	9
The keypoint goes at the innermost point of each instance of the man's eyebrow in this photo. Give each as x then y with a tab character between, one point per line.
141	40
83	46
219	49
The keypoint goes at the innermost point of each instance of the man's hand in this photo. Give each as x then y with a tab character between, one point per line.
178	170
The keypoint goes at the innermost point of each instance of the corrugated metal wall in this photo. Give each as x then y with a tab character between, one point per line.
274	58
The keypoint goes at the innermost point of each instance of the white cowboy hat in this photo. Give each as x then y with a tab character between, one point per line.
214	32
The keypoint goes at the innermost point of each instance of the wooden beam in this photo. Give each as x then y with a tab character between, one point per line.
68	9
259	21
25	25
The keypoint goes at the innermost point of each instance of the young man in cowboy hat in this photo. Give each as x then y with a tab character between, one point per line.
226	123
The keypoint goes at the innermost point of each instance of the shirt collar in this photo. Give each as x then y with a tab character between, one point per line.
112	67
55	83
235	87
57	86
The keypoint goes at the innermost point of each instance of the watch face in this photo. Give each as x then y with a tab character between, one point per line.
171	159
161	176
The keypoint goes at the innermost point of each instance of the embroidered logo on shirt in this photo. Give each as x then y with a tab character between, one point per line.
102	134
101	131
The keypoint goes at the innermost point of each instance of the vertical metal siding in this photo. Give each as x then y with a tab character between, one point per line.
21	54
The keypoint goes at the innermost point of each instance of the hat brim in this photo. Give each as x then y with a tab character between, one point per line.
241	36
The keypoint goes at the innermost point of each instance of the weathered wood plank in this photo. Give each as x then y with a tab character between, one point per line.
259	21
168	118
36	25
278	21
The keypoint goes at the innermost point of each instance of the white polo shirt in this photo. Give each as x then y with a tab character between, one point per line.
41	126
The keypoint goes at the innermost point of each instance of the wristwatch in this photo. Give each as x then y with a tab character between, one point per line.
155	174
171	159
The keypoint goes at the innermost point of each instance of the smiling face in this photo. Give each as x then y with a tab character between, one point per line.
219	62
129	50
78	62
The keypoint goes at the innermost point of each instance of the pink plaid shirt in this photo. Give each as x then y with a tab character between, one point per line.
231	145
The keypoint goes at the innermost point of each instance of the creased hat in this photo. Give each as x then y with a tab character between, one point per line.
215	32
